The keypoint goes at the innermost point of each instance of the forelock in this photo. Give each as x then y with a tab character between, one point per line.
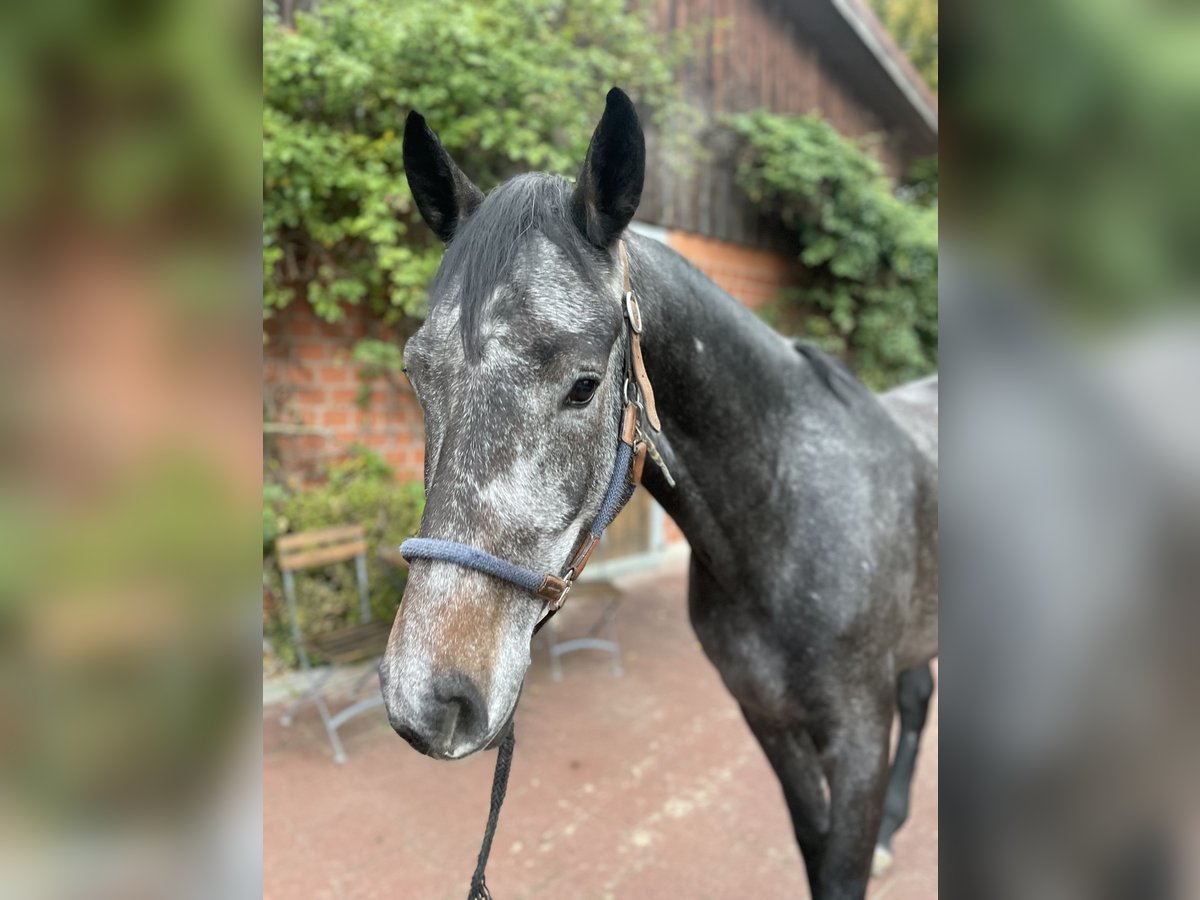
481	257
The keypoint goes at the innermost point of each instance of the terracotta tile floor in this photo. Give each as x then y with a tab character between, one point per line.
644	786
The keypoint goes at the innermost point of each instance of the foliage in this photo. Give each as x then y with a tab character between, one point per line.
359	490
509	85
871	257
913	25
920	183
376	359
273	497
1076	126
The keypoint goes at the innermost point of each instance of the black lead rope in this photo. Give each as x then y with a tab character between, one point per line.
479	889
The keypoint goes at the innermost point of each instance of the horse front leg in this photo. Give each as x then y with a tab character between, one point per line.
857	760
797	764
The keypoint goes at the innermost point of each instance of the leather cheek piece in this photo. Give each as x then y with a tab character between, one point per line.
639	462
629	424
643	380
582	561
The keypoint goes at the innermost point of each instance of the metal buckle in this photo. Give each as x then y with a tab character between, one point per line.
633	312
581	558
557	604
636	399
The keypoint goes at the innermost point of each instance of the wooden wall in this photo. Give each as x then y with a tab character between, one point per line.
750	54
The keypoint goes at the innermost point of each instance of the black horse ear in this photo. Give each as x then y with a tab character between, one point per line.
444	195
610	186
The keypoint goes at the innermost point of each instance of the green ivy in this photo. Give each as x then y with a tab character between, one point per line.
360	489
509	85
376	359
920	182
870	256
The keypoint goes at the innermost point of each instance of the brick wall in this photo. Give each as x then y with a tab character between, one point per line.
753	276
311	384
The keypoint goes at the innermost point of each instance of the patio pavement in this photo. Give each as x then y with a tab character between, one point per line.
644	786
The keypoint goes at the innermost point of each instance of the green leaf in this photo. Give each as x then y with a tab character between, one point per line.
870	253
512	87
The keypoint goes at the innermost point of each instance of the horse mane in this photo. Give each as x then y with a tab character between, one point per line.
831	372
483	252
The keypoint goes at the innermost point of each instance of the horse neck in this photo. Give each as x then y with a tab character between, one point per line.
723	380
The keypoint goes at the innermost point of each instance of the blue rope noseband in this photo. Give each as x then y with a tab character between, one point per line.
472	558
632	449
620	489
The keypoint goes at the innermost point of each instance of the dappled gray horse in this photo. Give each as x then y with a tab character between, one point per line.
810	503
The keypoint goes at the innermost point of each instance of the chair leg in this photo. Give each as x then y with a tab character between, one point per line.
339	754
616	648
364	678
313	690
555	665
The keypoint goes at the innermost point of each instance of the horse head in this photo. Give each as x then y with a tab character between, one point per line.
519	370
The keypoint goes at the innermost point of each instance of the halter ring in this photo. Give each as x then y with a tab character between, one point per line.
636	399
633	312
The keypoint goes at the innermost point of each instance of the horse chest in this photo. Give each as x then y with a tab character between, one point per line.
754	665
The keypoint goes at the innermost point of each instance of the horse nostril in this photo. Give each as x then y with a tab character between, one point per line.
409	733
456	708
463	712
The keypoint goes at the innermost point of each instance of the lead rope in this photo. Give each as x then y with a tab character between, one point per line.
479	889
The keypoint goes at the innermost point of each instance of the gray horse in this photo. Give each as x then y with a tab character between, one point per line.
810	504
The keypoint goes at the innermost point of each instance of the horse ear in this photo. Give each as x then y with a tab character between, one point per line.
444	195
610	186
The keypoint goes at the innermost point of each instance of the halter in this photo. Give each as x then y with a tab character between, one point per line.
632	448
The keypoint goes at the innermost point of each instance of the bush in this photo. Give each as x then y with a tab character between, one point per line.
360	490
870	256
509	85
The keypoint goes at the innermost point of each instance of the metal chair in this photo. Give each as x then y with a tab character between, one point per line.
367	638
588	591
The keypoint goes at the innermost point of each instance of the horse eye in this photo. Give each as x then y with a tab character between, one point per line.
582	392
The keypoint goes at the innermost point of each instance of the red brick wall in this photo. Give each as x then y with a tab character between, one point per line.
311	383
753	276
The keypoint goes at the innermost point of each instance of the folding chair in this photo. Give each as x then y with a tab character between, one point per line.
588	591
312	549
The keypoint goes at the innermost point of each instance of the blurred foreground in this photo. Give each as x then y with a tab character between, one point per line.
1070	493
1070	362
129	482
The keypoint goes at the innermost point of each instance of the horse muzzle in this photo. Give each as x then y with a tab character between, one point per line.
444	718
